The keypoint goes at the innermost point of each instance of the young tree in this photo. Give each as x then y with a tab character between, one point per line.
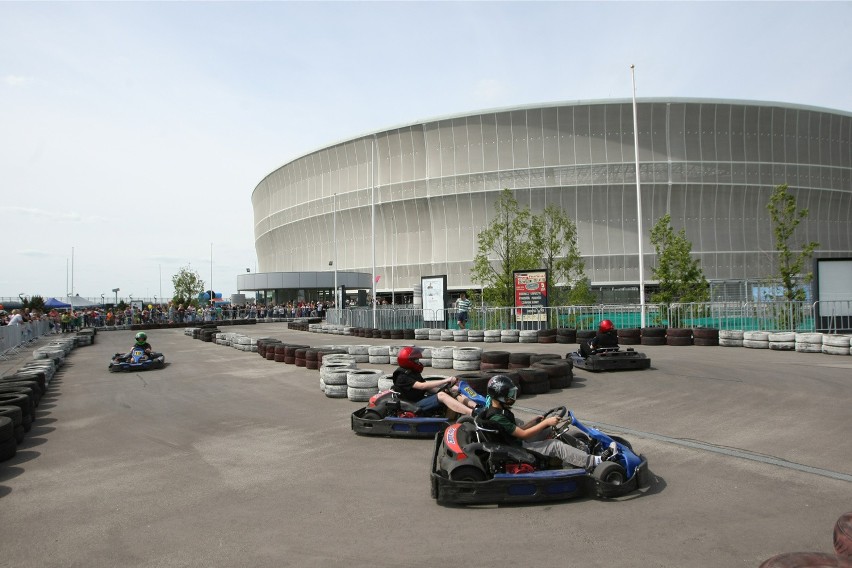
680	276
554	239
187	284
503	248
785	218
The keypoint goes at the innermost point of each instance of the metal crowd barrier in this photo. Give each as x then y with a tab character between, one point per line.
15	338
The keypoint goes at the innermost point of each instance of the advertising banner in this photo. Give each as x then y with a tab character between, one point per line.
434	297
530	295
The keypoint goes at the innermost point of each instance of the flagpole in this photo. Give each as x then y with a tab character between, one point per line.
638	203
373	220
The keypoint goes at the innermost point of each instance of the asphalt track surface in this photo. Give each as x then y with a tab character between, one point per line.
226	459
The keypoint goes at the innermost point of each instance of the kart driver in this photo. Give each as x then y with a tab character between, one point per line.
426	395
141	343
501	397
606	337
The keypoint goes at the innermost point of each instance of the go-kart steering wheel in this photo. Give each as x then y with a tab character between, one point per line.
558	411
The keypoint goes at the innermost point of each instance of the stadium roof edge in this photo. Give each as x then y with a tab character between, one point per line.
557	104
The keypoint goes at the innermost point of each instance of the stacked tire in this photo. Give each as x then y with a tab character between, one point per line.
466	358
808	342
705	336
378	355
534	380
528	336
584	335
836	345
653	336
678	336
362	384
782	341
494	360
560	372
547	336
509	335
629	336
756	339
476	336
731	337
519	360
566	335
492	336
442	357
460	335
333	378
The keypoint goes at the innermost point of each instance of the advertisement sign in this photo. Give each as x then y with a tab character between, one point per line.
434	297
530	295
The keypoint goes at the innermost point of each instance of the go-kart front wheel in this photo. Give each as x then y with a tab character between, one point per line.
611	473
467	473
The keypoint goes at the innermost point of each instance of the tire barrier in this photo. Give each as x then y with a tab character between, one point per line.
566	335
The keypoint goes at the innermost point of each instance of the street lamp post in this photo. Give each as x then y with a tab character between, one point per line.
115	291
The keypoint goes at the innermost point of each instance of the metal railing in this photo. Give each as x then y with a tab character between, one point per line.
826	316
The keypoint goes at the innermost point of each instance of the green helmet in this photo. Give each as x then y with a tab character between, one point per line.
141	337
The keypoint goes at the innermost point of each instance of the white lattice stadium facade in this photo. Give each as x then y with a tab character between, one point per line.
711	164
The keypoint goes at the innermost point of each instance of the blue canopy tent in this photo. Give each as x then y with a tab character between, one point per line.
54	303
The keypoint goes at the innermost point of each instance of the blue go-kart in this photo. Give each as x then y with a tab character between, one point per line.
136	360
388	415
469	467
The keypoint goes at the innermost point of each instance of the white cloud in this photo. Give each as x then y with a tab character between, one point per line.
35	253
16	80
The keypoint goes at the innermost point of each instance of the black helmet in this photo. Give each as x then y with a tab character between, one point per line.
501	387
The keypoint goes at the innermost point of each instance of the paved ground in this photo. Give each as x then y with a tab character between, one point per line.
226	459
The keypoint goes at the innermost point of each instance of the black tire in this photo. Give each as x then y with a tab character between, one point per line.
653	332
585	335
520	358
629	340
658	340
611	473
8	449
678	340
536	357
468	473
372	415
678	332
706	341
629	332
705	333
498	357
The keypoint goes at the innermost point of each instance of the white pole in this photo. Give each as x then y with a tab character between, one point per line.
211	275
373	219
337	303
638	203
70	301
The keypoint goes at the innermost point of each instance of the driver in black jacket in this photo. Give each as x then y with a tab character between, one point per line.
427	395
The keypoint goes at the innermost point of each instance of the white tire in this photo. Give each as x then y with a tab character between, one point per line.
755	344
782	337
832	350
322	385
336	359
422	331
528	339
426	362
492	333
782	345
359	350
446	335
379	360
835	340
336	391
356	394
475	339
364	378
756	336
362	358
808	347
435	335
529	333
467	353
466	365
378	350
335	377
491	339
509	339
475	333
510	332
442	352
442	363
385	382
809	338
393	351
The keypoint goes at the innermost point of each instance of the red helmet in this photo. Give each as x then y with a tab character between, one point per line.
605	326
409	358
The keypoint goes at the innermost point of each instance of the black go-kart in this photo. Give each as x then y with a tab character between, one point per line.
388	415
611	359
470	467
136	360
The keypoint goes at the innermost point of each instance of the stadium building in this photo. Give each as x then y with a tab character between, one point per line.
420	193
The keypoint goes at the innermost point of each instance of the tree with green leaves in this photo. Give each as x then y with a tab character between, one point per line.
187	284
791	265
554	239
503	247
681	277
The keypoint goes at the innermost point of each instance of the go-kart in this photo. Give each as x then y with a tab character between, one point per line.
136	360
387	414
611	359
469	467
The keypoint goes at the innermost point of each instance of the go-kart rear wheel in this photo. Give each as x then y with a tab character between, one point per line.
610	472
467	473
371	415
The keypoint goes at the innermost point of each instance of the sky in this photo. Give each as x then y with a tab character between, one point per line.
132	134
